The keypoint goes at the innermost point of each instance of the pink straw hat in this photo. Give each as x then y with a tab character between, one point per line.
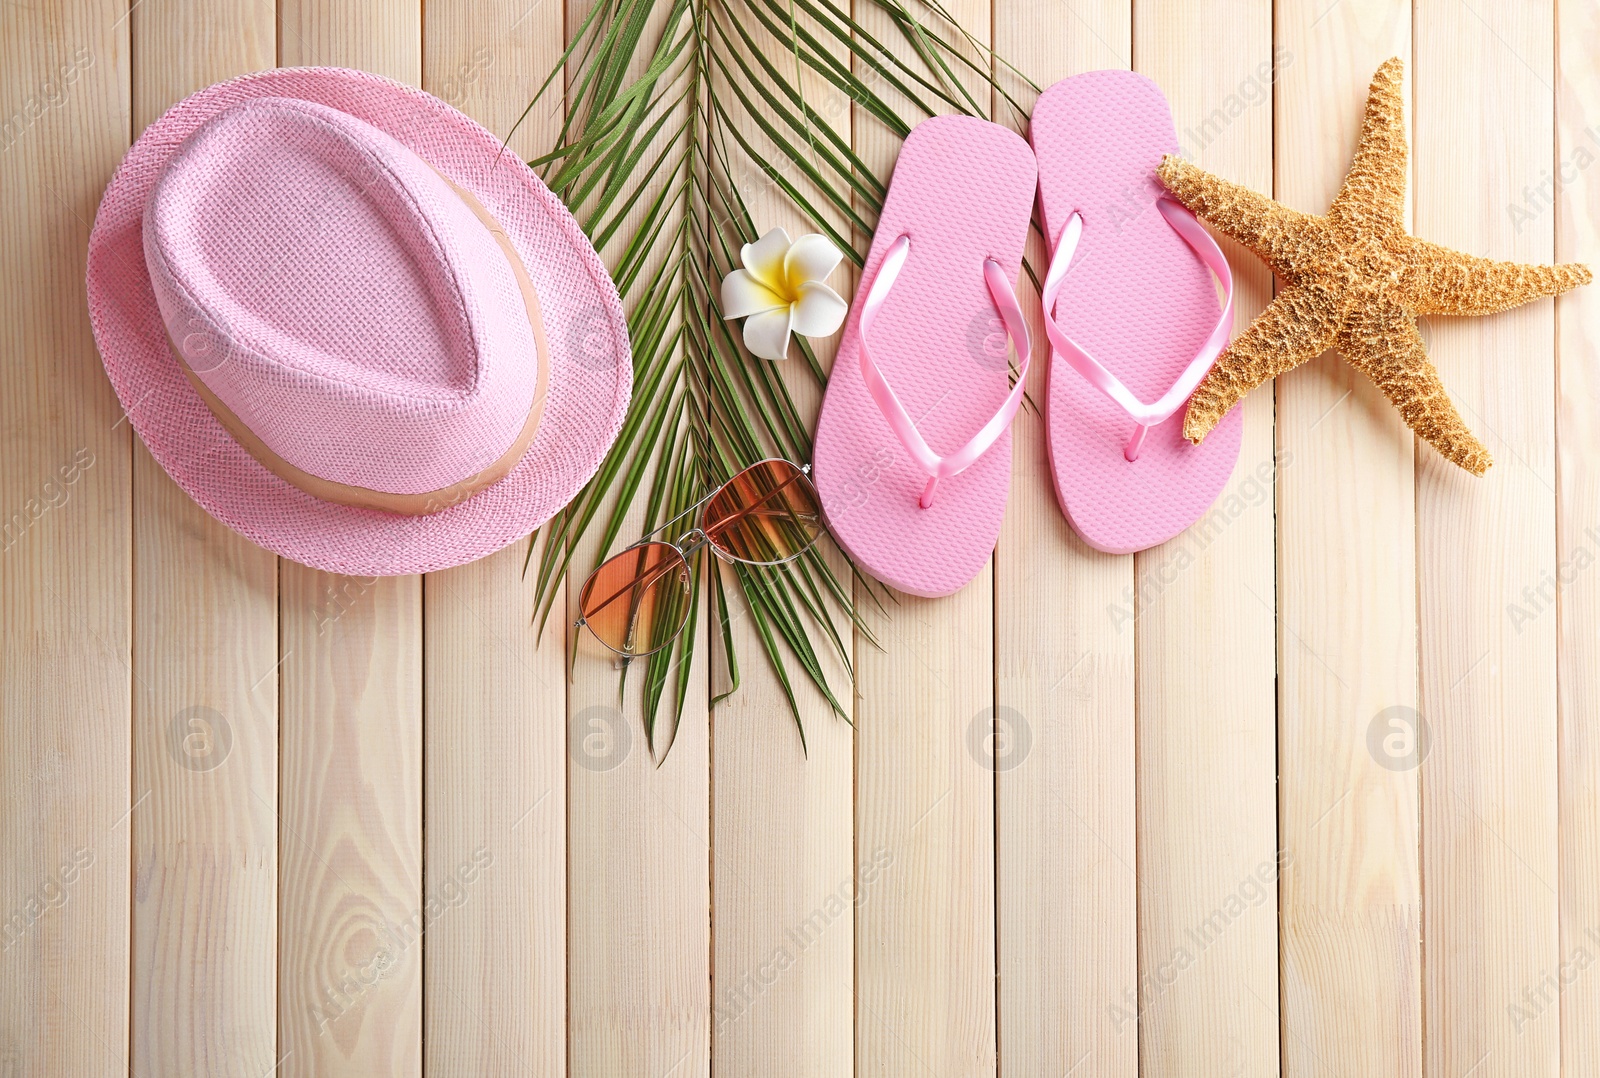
350	326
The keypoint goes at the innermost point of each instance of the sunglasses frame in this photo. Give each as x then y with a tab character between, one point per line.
690	543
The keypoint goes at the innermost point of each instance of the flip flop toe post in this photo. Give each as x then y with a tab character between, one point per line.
913	446
1133	317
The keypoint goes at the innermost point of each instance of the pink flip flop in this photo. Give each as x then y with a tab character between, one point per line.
1132	317
913	446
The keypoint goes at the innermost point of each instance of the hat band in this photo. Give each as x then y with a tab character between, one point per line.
430	501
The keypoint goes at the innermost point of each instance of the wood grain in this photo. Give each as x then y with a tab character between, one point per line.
1489	802
1350	916
1208	971
639	844
381	36
784	883
352	908
65	557
1577	220
1066	889
925	947
205	702
495	978
168	906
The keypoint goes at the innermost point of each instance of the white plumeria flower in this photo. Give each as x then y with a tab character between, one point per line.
780	291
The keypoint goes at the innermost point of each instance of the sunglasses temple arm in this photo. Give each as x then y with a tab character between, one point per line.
637	584
635	601
667	524
803	470
660	570
747	510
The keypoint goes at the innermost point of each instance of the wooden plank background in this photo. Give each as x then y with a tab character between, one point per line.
1310	790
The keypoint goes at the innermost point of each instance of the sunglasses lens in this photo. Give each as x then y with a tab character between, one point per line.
767	513
637	601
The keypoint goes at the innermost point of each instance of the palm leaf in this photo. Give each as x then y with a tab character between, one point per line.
657	108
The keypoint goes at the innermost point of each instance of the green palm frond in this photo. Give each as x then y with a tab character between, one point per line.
659	99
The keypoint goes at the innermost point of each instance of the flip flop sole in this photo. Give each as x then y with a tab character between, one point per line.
1139	300
962	192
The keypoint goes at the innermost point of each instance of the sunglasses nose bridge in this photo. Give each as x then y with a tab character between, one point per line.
692	541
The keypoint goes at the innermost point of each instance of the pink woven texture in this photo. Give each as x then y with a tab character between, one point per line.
349	308
962	191
366	325
1138	300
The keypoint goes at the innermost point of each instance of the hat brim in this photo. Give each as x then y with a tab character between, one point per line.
591	372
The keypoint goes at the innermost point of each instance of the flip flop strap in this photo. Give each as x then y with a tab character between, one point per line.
900	421
1144	415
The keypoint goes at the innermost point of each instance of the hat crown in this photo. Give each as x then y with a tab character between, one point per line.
341	298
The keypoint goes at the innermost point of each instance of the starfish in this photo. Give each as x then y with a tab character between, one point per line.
1356	280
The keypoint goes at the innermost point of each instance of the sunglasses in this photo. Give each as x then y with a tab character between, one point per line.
637	601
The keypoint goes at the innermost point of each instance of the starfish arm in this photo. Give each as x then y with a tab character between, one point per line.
1296	326
1437	280
1385	346
1374	190
1285	239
